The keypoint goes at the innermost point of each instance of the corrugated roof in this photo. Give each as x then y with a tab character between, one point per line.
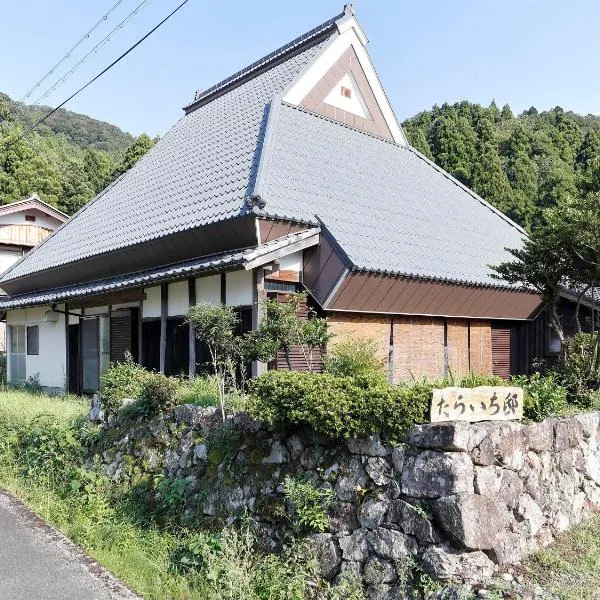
389	208
214	262
199	172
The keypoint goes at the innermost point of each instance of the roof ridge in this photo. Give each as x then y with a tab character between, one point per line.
302	40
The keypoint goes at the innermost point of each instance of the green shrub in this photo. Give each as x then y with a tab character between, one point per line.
310	502
543	396
122	380
357	358
201	391
578	368
159	393
338	406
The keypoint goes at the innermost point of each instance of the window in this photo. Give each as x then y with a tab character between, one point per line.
30	218
17	353
33	340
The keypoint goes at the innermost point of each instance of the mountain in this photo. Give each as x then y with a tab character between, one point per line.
519	163
67	160
80	130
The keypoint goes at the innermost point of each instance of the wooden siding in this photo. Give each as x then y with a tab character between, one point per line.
23	235
322	269
501	351
371	292
271	229
412	347
315	100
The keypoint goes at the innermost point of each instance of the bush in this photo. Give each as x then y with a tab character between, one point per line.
122	380
578	369
357	358
159	393
338	406
544	397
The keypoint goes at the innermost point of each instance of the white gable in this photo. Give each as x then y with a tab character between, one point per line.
346	95
350	34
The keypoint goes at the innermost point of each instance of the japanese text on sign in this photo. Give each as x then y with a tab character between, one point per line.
485	403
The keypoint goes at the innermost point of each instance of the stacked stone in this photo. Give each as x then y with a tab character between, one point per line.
459	499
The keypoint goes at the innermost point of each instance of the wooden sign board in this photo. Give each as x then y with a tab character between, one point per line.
485	403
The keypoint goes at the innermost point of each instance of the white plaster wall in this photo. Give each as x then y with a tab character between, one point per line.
73	320
291	262
151	305
8	258
208	289
179	302
239	290
50	362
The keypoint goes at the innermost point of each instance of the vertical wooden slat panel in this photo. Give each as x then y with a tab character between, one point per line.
501	352
192	331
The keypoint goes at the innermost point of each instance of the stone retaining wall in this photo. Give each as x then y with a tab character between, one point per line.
460	499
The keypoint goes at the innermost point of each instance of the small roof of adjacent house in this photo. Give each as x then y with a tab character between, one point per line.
247	146
34	202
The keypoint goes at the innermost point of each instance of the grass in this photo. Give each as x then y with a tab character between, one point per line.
20	408
570	568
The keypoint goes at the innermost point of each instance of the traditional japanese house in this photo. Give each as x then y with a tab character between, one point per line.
291	174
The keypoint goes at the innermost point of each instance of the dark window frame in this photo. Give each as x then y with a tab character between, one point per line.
32	343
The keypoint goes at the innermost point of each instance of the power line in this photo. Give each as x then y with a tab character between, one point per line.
68	54
94	50
120	58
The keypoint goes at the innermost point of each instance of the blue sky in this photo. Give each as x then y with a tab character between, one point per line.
522	52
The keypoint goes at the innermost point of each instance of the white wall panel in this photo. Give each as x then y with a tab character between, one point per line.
208	289
151	306
239	289
179	302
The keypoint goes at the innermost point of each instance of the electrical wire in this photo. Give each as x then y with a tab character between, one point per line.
120	58
68	54
93	51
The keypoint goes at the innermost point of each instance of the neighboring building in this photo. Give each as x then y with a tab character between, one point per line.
292	173
23	225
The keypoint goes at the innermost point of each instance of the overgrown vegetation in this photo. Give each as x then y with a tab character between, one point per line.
129	528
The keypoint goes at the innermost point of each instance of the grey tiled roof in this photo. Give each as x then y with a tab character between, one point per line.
214	262
200	172
390	209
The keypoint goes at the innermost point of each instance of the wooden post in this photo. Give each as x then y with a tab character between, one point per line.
258	277
192	332
67	375
164	307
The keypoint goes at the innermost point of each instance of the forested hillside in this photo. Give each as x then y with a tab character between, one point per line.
521	164
66	161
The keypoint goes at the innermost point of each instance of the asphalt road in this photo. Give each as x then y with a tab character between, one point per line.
38	563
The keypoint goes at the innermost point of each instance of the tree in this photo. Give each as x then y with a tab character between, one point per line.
417	140
522	175
98	167
282	328
452	142
133	154
506	113
215	325
489	180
